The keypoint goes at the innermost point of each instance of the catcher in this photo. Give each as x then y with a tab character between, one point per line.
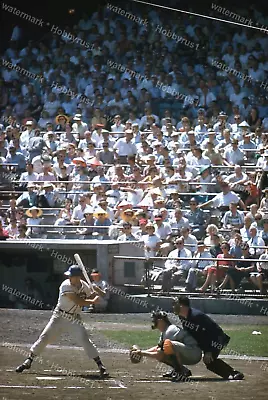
176	347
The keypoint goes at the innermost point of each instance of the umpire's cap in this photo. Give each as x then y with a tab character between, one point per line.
181	301
156	315
74	270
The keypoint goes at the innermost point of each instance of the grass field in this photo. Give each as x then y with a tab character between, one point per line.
243	342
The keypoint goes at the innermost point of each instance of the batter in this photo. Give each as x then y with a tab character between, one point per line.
73	295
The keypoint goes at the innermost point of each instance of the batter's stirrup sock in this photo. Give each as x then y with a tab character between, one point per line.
98	362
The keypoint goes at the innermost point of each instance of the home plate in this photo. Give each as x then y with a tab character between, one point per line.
119	384
49	378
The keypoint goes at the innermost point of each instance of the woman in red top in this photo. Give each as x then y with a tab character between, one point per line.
217	273
3	232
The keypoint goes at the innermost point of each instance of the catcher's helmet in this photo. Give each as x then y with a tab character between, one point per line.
156	315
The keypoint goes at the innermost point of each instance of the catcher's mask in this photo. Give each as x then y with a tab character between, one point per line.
156	315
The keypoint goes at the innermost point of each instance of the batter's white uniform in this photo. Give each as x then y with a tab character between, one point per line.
66	317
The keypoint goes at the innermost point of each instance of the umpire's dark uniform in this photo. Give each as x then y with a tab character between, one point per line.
210	338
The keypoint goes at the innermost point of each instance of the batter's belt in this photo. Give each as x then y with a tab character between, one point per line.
66	312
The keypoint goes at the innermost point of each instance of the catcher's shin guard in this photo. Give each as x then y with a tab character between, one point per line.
221	368
171	360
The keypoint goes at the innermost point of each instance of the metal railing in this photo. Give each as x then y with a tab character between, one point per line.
194	258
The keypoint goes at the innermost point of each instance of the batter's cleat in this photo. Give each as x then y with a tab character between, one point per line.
26	365
169	374
237	376
103	373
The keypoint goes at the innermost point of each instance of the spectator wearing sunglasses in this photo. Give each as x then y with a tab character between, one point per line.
126	233
102	221
105	155
178	267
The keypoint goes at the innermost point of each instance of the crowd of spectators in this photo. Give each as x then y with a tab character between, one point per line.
93	151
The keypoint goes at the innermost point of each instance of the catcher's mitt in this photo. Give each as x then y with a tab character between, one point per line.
134	354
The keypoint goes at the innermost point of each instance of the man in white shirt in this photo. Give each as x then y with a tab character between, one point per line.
74	293
176	268
224	199
206	97
233	155
79	210
201	127
125	147
179	221
237	96
29	175
162	229
79	127
190	241
238	178
199	160
117	126
256	242
27	134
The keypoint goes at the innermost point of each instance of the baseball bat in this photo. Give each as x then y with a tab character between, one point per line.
83	268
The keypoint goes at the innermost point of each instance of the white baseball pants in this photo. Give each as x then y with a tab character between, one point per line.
62	322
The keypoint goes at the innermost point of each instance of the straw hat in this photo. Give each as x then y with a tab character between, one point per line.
128	210
29	212
57	119
98	211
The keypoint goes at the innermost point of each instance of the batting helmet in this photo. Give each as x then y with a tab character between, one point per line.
74	270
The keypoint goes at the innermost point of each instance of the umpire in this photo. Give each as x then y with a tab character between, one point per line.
209	336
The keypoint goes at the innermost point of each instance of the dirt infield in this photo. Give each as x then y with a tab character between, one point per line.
64	372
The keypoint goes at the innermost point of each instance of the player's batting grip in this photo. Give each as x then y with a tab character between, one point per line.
81	265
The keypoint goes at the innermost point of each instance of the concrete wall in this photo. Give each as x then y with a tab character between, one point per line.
120	275
141	303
